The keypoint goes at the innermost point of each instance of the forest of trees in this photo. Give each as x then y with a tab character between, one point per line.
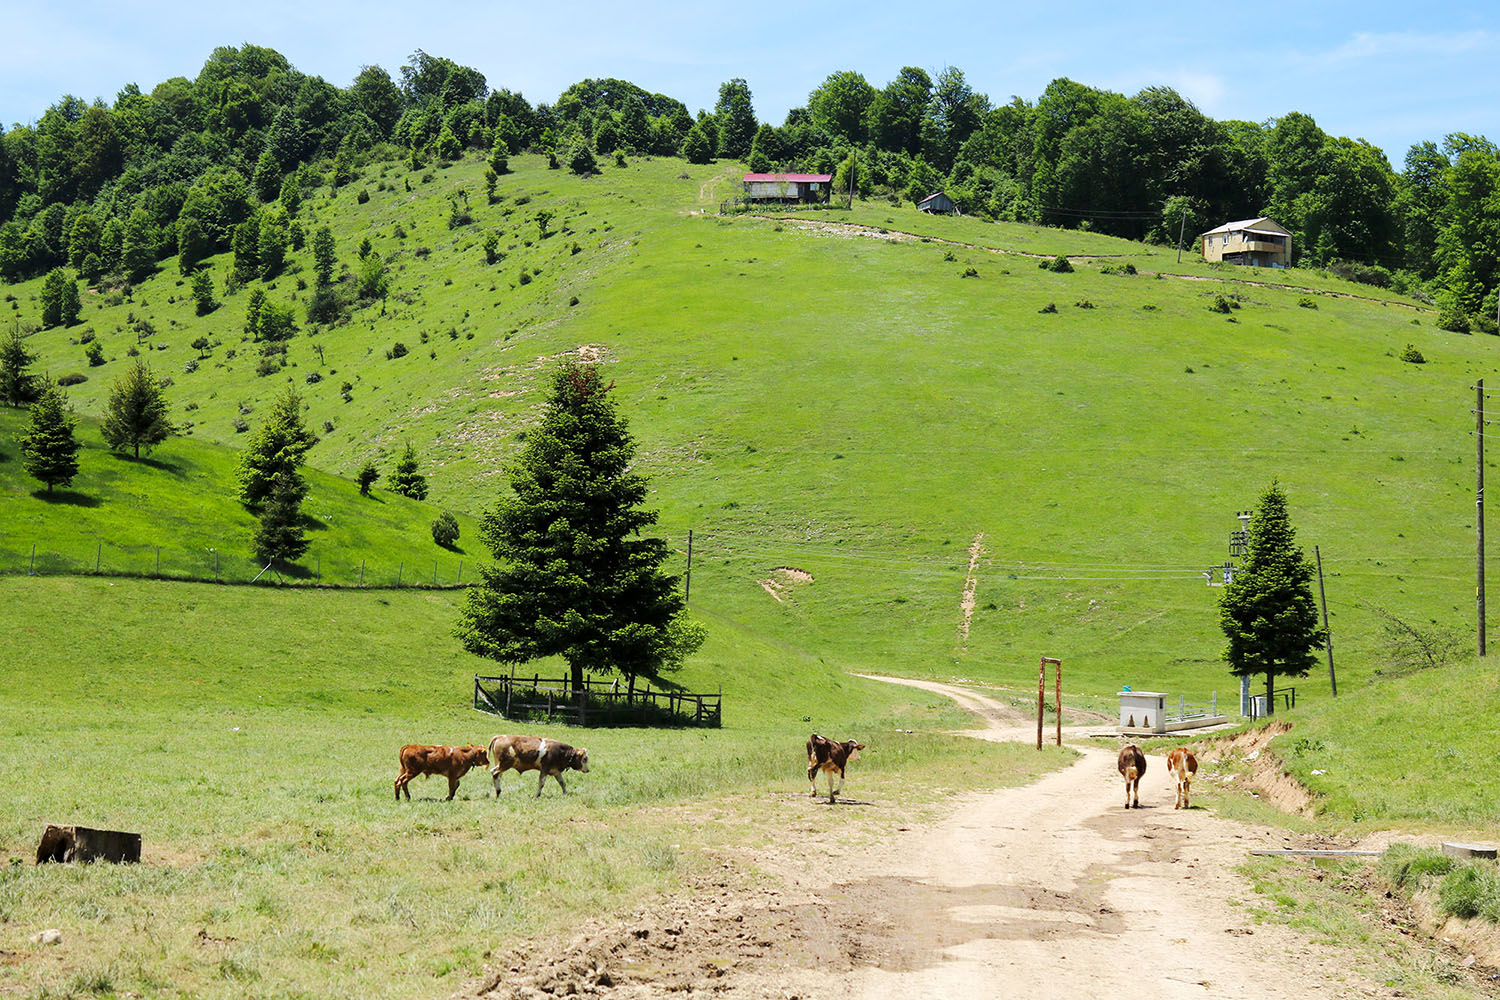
113	189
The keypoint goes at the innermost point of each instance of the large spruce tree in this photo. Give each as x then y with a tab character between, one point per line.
137	411
279	537
573	576
49	449
1267	611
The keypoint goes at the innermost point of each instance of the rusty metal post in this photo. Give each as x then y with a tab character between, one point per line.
1041	697
1058	664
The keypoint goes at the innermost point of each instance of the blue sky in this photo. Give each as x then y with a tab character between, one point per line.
1392	73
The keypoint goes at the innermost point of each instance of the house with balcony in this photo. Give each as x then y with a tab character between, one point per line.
1253	242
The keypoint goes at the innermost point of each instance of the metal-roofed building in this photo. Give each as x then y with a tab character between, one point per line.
1256	242
787	187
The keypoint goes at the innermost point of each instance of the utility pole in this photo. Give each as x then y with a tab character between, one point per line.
687	589
1479	508
1323	596
1181	232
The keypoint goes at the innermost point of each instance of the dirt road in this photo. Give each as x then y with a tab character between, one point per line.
1051	890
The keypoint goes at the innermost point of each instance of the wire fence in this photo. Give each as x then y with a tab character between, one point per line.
232	565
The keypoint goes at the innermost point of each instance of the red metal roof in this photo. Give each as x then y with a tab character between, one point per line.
789	178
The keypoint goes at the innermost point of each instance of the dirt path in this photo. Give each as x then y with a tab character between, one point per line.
1051	890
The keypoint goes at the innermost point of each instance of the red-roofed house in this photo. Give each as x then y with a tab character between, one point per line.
787	187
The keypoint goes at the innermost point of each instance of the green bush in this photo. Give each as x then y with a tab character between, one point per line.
1219	305
1452	318
1306	302
1412	355
94	353
397	350
1050	307
1059	264
445	529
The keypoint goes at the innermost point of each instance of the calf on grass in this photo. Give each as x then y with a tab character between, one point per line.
1132	764
1182	765
451	762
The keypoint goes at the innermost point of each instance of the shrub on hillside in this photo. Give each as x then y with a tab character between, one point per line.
1050	307
94	353
1059	264
1219	305
445	530
73	379
1405	866
969	272
396	350
1413	356
1365	274
1306	302
1452	318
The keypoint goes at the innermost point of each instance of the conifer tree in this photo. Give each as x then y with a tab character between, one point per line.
137	411
324	254
366	478
18	386
1267	610
60	302
405	479
49	451
279	536
138	248
278	446
573	576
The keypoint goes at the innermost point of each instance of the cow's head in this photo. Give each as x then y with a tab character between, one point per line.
476	756
580	761
853	748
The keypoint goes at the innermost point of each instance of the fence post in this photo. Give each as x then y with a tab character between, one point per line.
318	573
31	570
399	569
215	551
434	572
98	558
361	572
158	561
459	582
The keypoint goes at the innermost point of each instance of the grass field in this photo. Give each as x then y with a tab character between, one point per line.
253	744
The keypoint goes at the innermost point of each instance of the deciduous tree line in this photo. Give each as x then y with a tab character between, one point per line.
221	162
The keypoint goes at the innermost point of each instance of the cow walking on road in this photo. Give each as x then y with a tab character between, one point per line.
535	753
1182	765
451	762
830	758
1132	765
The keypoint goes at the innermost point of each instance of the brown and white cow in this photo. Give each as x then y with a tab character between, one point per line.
1183	765
451	762
1132	764
535	753
829	757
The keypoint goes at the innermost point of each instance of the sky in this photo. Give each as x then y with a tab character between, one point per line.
1394	73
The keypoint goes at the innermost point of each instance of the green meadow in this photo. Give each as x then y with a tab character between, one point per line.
849	427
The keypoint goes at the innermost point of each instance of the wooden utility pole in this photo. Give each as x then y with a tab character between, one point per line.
1181	232
1327	634
1479	508
687	589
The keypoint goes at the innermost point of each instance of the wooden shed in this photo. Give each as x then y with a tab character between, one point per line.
787	187
938	203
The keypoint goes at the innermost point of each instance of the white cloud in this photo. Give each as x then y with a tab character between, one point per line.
1370	45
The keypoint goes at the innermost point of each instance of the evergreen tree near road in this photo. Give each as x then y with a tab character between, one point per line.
137	411
277	447
279	537
573	576
405	479
18	386
1267	612
49	451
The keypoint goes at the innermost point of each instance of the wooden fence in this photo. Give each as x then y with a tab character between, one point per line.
605	703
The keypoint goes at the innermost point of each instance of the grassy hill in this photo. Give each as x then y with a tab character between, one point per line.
843	402
174	514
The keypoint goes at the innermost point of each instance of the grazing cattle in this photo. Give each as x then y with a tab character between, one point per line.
535	753
829	757
1183	765
451	762
1132	765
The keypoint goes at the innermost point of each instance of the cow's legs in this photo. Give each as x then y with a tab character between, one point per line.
495	777
399	786
812	778
452	787
560	783
1187	786
541	779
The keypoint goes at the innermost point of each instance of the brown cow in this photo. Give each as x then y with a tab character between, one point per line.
1132	765
829	757
535	753
1183	765
451	762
